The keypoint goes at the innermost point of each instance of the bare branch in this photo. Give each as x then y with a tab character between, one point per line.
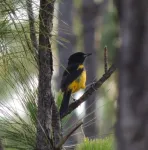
63	140
105	59
90	91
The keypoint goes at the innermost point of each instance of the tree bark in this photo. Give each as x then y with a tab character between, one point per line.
89	14
56	125
45	98
132	116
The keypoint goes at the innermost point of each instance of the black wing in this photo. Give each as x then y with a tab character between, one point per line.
69	75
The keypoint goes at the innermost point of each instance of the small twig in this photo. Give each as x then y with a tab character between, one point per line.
63	140
83	132
105	59
90	90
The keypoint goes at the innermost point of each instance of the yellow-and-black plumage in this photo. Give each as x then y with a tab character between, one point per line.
74	78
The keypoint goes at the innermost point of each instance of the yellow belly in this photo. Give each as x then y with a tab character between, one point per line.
79	83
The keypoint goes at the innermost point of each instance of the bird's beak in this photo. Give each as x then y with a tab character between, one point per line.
88	54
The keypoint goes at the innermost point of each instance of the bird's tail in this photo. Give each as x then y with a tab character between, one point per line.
65	102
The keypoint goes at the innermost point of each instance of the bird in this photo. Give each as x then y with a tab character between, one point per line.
73	79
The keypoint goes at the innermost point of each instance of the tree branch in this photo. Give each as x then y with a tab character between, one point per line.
105	59
90	91
32	28
63	140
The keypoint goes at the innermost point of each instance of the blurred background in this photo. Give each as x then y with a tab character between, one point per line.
79	25
89	26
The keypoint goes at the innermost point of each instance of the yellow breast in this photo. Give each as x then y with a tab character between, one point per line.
79	83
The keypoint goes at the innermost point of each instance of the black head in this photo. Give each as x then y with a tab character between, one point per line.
77	58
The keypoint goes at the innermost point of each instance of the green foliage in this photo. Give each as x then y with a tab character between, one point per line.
18	70
17	60
18	131
59	98
97	144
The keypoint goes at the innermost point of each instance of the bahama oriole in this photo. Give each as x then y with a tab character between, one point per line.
74	78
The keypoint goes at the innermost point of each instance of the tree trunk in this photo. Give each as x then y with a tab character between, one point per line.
89	14
45	98
132	117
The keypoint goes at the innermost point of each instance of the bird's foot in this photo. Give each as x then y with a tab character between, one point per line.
73	99
93	86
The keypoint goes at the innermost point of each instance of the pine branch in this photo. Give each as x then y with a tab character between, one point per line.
32	29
